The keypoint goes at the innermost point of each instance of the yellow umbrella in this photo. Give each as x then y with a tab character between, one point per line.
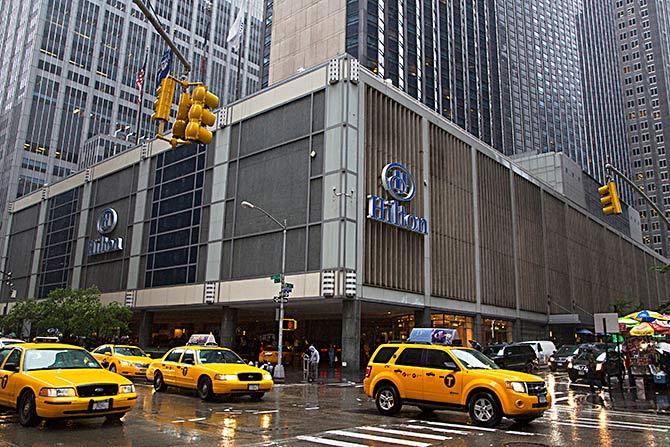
641	330
646	316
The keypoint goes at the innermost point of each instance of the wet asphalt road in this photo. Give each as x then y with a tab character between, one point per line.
340	415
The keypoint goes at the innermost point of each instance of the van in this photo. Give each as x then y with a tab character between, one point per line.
543	349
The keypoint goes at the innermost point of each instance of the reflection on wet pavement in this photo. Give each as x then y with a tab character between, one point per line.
340	415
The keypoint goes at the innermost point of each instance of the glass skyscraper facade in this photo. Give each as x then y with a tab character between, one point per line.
643	44
68	71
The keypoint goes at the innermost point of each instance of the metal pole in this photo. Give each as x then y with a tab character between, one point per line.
159	29
279	370
240	52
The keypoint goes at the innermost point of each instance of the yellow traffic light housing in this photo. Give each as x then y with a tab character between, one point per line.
179	127
164	99
290	324
609	199
199	115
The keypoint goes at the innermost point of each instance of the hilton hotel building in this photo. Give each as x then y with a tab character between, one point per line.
396	217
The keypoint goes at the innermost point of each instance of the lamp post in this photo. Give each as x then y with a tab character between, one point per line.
279	369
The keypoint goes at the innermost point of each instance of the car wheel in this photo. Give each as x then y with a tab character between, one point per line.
572	377
388	400
524	420
27	410
205	390
485	410
112	368
159	382
257	397
427	410
116	417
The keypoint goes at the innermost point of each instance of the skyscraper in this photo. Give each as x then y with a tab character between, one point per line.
643	41
69	72
522	76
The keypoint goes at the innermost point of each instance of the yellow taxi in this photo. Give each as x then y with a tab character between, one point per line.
435	376
210	370
126	360
52	380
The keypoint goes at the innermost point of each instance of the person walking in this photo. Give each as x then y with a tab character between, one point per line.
331	357
314	359
591	365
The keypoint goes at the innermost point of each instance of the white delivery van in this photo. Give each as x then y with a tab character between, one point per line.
543	348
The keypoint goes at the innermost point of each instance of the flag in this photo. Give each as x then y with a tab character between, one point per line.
236	31
164	67
139	81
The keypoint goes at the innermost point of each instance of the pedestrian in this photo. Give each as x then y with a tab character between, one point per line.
314	359
331	357
591	365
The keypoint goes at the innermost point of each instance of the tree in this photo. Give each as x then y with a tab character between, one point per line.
625	307
72	313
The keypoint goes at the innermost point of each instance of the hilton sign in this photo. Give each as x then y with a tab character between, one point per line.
105	225
399	183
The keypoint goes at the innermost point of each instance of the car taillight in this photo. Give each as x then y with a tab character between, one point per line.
368	370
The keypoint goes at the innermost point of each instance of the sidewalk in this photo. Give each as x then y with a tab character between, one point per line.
294	375
656	401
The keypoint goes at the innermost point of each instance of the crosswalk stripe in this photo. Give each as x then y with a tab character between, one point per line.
411	434
333	442
598	427
639	425
444	424
438	430
353	434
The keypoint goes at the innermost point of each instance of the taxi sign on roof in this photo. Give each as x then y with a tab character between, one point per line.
434	336
202	340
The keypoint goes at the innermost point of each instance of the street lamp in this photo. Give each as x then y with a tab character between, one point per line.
279	369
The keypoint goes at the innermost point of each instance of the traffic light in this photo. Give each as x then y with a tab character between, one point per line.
289	324
164	98
179	128
200	116
609	198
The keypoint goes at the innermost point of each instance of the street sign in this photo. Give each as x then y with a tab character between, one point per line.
276	278
288	285
606	323
276	299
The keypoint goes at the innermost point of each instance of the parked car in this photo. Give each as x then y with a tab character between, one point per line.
560	359
578	368
543	349
516	357
492	350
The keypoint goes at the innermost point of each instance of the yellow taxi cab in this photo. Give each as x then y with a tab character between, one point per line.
126	360
434	376
53	380
271	355
210	370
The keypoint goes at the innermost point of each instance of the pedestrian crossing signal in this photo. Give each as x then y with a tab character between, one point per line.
289	324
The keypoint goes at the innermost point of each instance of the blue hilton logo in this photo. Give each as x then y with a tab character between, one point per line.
399	184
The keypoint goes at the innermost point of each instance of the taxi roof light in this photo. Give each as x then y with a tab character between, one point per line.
433	336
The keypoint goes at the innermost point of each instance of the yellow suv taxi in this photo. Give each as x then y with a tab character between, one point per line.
453	378
210	371
50	380
126	360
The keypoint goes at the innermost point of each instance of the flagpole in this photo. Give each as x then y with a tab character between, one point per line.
140	102
240	52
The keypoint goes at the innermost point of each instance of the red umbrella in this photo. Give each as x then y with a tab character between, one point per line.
660	327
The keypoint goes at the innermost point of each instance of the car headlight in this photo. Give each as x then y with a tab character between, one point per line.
140	365
599	366
126	389
569	365
519	387
57	392
225	377
125	363
267	376
551	359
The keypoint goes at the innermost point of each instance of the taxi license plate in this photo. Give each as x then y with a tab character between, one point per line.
253	387
542	399
101	405
582	373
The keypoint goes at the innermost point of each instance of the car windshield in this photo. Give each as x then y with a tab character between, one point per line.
218	356
566	350
472	359
130	351
38	359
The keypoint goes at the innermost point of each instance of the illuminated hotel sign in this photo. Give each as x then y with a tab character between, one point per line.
105	225
399	183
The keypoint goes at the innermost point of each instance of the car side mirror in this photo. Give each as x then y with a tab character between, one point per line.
13	367
105	364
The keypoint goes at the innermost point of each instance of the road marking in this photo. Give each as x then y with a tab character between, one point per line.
266	411
332	442
196	419
405	433
353	434
311	408
521	433
178	421
444	424
561	399
607	425
642	425
438	430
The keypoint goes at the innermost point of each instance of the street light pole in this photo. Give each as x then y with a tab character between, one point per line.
279	369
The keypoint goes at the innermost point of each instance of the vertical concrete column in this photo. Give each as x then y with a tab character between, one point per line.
517	332
478	330
351	338
515	243
477	242
422	318
146	328
228	327
138	223
218	204
82	230
427	273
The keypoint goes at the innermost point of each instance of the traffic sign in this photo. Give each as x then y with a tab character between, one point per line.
276	278
276	299
288	285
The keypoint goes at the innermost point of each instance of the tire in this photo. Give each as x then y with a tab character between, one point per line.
388	400
572	377
115	418
205	388
159	382
27	410
112	368
485	410
525	420
257	397
426	410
